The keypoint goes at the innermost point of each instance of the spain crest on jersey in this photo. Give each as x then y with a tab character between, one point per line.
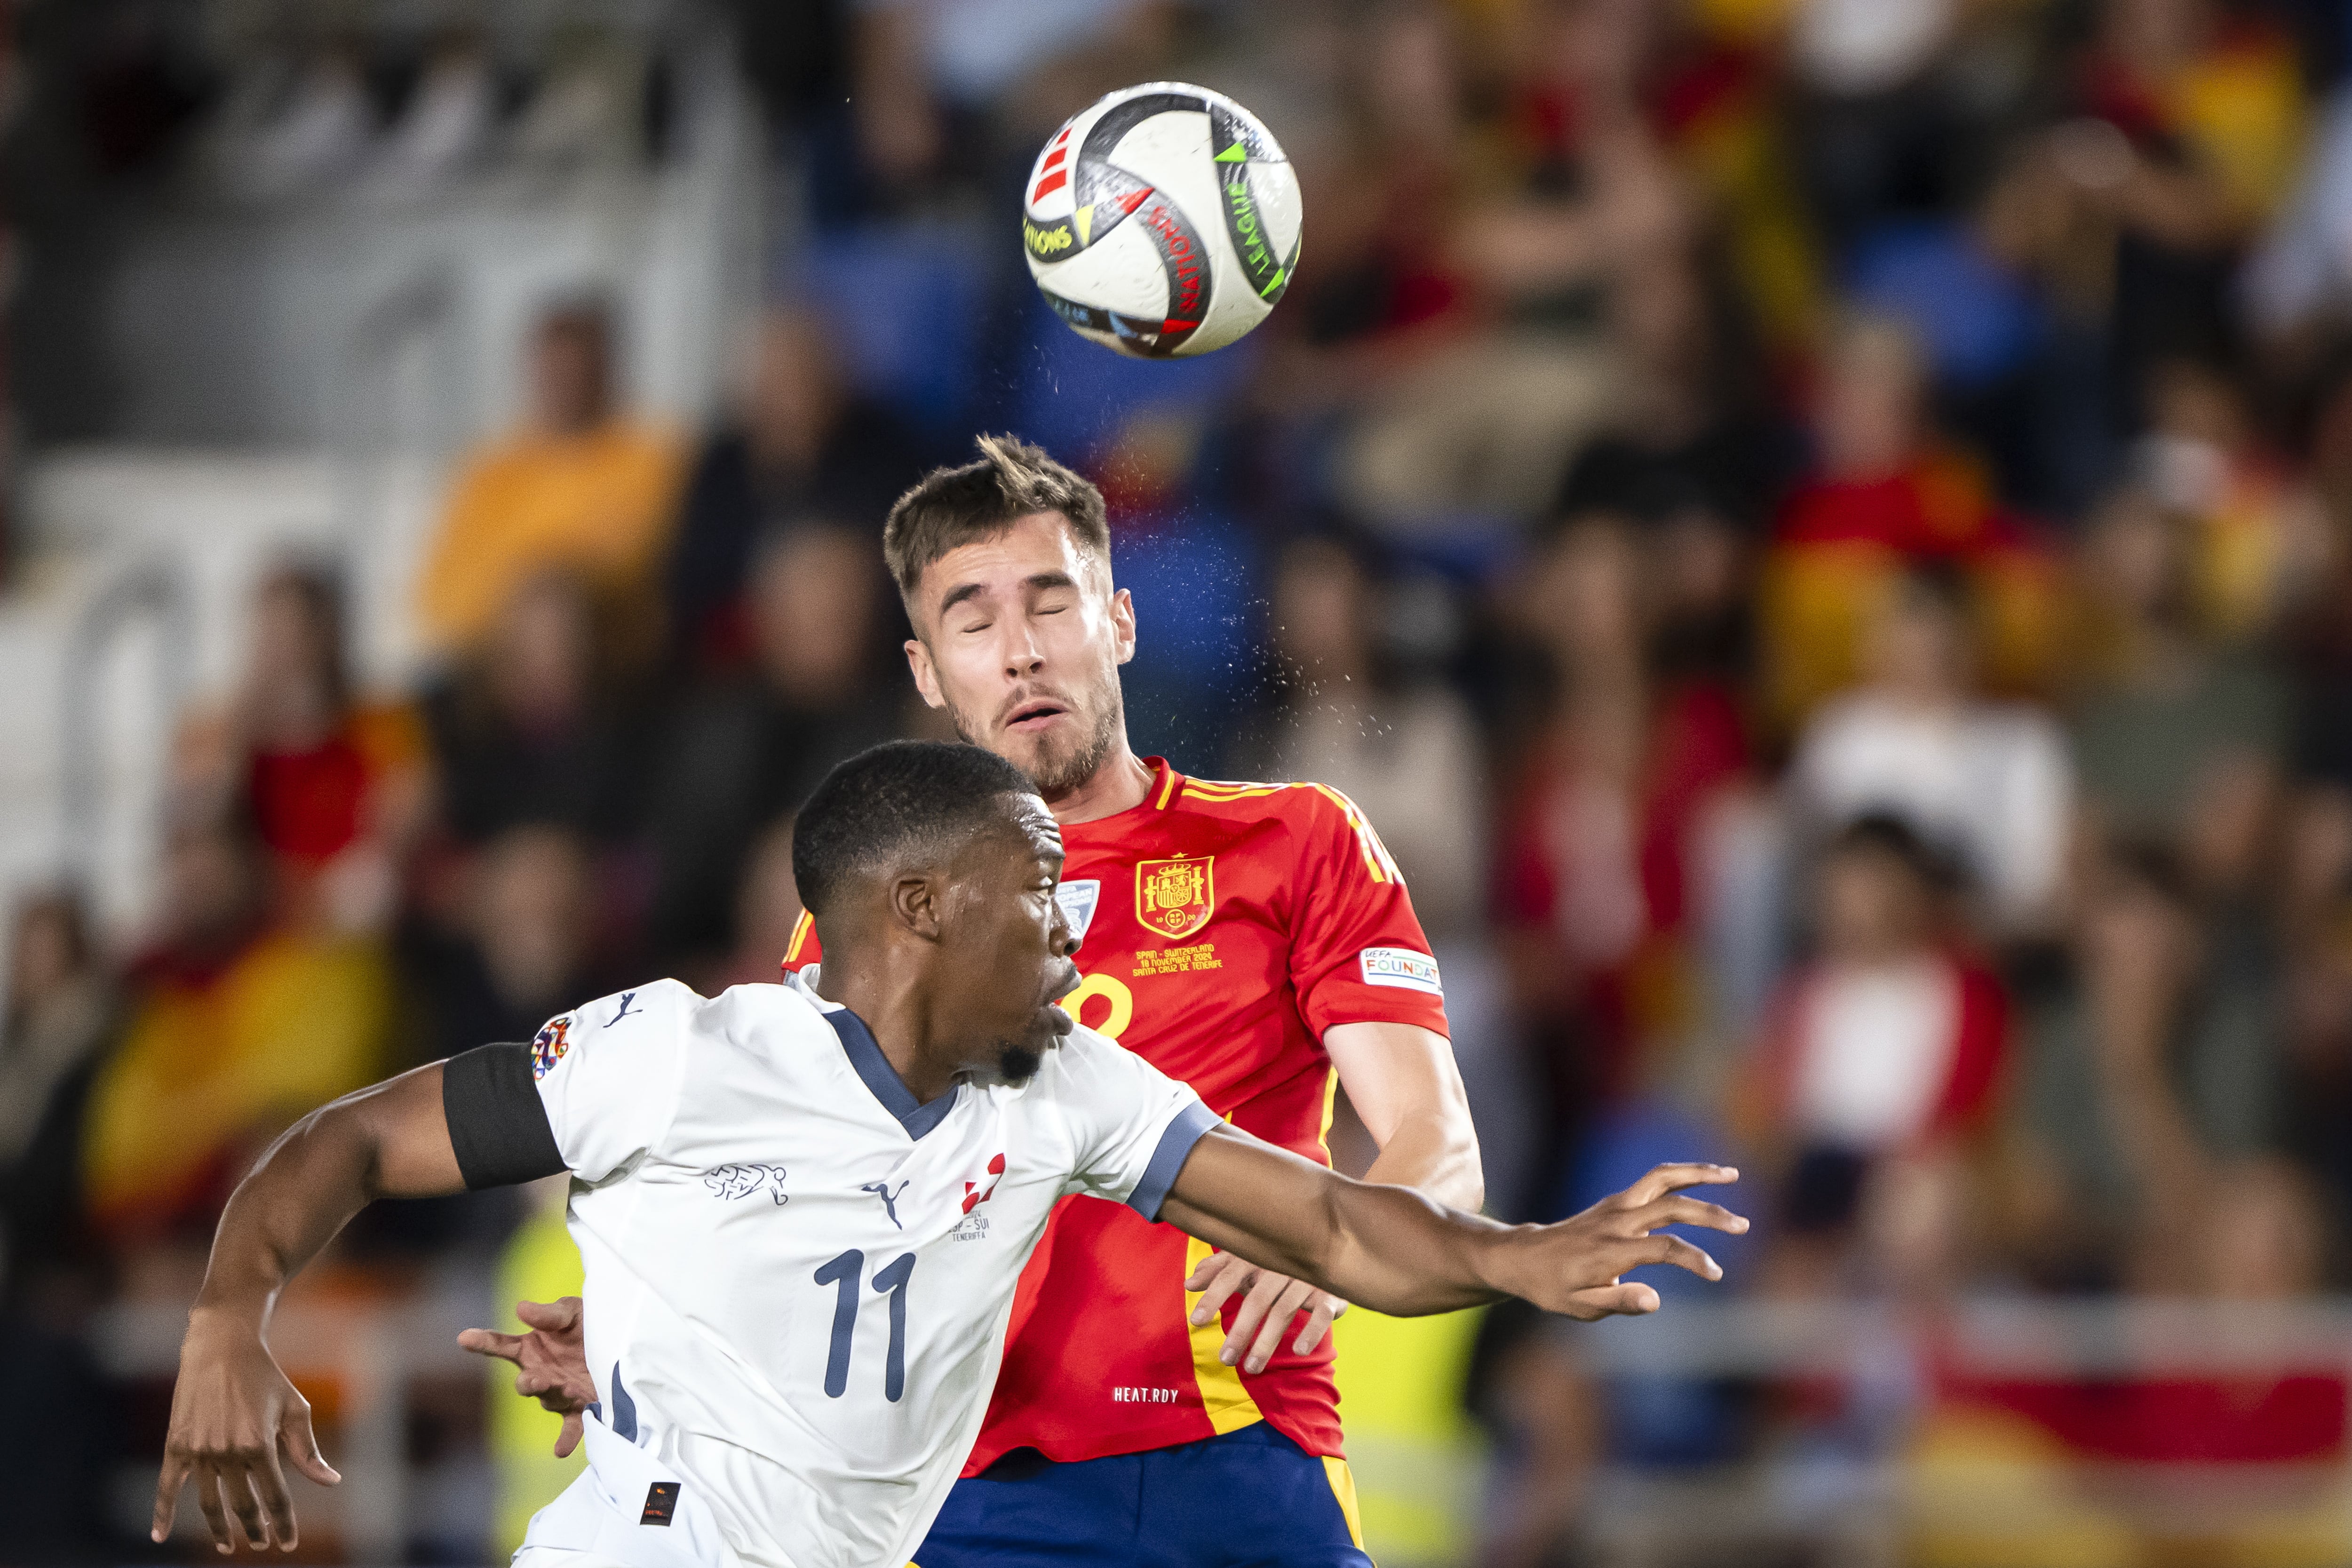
1175	898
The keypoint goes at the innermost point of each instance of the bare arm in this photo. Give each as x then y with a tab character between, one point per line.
1402	1082
233	1408
1396	1251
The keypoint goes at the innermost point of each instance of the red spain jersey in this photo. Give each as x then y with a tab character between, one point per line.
1224	928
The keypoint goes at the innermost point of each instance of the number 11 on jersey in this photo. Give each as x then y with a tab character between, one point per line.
843	1273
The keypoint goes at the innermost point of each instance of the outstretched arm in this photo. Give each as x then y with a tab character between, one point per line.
1395	1251
234	1408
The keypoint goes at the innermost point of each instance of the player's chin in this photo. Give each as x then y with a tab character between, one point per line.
1016	1065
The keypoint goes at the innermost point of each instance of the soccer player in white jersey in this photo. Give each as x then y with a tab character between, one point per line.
804	1212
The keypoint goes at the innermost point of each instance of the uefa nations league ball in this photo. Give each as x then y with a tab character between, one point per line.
1161	220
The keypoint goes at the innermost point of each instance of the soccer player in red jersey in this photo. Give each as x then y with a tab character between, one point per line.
1155	1405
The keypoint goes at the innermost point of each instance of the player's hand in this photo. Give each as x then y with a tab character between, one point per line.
1271	1301
233	1410
1575	1266
553	1356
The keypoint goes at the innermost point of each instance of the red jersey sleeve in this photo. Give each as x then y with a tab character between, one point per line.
1357	952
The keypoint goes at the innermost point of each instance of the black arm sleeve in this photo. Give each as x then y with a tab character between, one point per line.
496	1124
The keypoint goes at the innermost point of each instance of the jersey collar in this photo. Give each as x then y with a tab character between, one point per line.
875	1070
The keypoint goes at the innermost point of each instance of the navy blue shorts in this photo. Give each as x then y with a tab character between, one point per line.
1248	1498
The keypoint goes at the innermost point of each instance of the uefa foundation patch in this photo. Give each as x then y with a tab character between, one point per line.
1402	966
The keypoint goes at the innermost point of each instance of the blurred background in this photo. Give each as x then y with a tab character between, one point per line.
1820	530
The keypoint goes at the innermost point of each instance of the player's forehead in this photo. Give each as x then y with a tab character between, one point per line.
1039	834
1029	551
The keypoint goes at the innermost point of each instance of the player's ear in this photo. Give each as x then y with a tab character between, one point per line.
1122	623
926	675
914	905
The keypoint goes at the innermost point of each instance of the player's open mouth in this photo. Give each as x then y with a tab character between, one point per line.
1031	717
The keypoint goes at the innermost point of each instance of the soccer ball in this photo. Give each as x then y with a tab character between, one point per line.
1161	220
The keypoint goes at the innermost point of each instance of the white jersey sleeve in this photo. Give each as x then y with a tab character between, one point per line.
1131	1125
609	1074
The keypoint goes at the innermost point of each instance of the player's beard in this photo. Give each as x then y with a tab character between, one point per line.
1016	1065
1057	768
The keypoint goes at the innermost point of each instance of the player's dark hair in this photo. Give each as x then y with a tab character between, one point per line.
898	796
978	501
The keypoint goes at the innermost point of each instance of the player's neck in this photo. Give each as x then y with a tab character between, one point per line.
1119	784
905	1022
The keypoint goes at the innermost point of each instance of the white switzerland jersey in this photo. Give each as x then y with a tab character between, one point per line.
798	1279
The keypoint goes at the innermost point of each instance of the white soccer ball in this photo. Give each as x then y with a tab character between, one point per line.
1161	220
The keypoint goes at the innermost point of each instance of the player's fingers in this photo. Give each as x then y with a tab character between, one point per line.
208	1502
1670	1178
1298	1298
1236	1275
237	1485
302	1446
167	1495
557	1316
276	1505
568	1438
1319	1322
1611	1301
488	1343
1678	1209
1209	1268
1252	1313
1671	1250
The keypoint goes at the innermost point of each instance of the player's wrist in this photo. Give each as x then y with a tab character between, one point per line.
1512	1261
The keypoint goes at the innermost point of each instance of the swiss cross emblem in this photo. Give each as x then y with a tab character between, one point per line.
1175	898
974	1194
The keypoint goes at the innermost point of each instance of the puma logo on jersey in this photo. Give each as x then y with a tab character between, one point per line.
973	1195
743	1181
626	997
889	1199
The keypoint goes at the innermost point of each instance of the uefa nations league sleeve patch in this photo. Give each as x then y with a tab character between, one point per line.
1402	966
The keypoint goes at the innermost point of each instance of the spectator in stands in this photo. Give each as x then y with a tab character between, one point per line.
526	951
235	1024
583	487
1882	1055
1405	751
1688	433
2160	1070
1986	782
59	1010
767	911
2174	740
535	727
805	446
338	785
1603	826
1887	493
750	748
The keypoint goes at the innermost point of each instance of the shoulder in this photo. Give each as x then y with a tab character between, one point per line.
1315	816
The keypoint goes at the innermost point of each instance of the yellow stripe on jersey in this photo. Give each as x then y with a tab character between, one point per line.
1330	1109
1343	1487
1168	789
1376	854
801	929
1223	1400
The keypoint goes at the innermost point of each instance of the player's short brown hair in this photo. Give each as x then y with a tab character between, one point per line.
978	501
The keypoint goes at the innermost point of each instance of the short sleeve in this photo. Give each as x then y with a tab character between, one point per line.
1131	1125
1357	950
609	1075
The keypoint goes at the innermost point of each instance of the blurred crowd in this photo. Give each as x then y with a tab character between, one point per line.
1819	530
